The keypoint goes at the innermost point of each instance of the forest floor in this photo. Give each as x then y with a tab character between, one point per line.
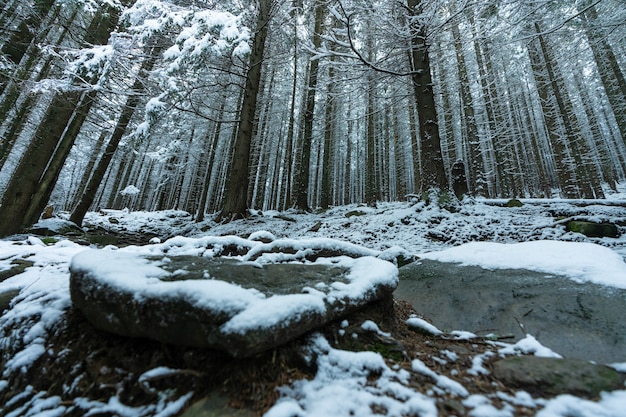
54	362
99	366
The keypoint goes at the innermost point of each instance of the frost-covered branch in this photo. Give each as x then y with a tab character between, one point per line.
200	38
346	44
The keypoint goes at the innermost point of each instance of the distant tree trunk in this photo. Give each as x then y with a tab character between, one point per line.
209	166
399	155
370	168
572	149
301	190
93	159
611	74
236	197
415	148
433	171
329	125
291	131
567	179
475	167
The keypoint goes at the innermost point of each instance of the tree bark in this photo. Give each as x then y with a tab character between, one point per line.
433	171
13	91
66	112
236	198
611	74
329	127
475	170
301	190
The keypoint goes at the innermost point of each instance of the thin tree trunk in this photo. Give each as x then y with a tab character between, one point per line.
370	168
475	169
291	131
611	74
209	166
329	125
87	199
301	190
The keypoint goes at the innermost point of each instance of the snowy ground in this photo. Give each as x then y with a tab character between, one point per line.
532	237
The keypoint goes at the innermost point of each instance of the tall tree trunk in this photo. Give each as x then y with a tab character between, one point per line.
209	166
475	169
86	175
573	150
236	197
14	89
433	171
46	183
329	127
301	190
28	32
67	111
290	139
370	146
611	74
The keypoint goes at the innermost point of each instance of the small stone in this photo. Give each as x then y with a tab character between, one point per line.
354	213
6	297
592	229
17	267
551	376
514	202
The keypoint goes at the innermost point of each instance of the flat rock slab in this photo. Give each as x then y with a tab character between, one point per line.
242	308
584	321
53	227
557	376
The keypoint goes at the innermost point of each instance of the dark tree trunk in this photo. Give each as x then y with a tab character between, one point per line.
236	197
209	164
433	171
301	190
87	199
66	112
475	167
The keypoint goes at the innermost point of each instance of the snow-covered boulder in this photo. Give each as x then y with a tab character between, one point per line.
55	226
241	307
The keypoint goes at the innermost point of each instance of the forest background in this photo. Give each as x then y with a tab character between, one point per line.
222	106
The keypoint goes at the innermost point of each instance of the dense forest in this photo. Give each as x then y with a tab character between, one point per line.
216	107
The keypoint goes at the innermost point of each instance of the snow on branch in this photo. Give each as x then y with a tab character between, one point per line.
197	35
89	62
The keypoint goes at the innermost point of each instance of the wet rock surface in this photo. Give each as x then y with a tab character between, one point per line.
553	376
593	229
583	321
242	308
